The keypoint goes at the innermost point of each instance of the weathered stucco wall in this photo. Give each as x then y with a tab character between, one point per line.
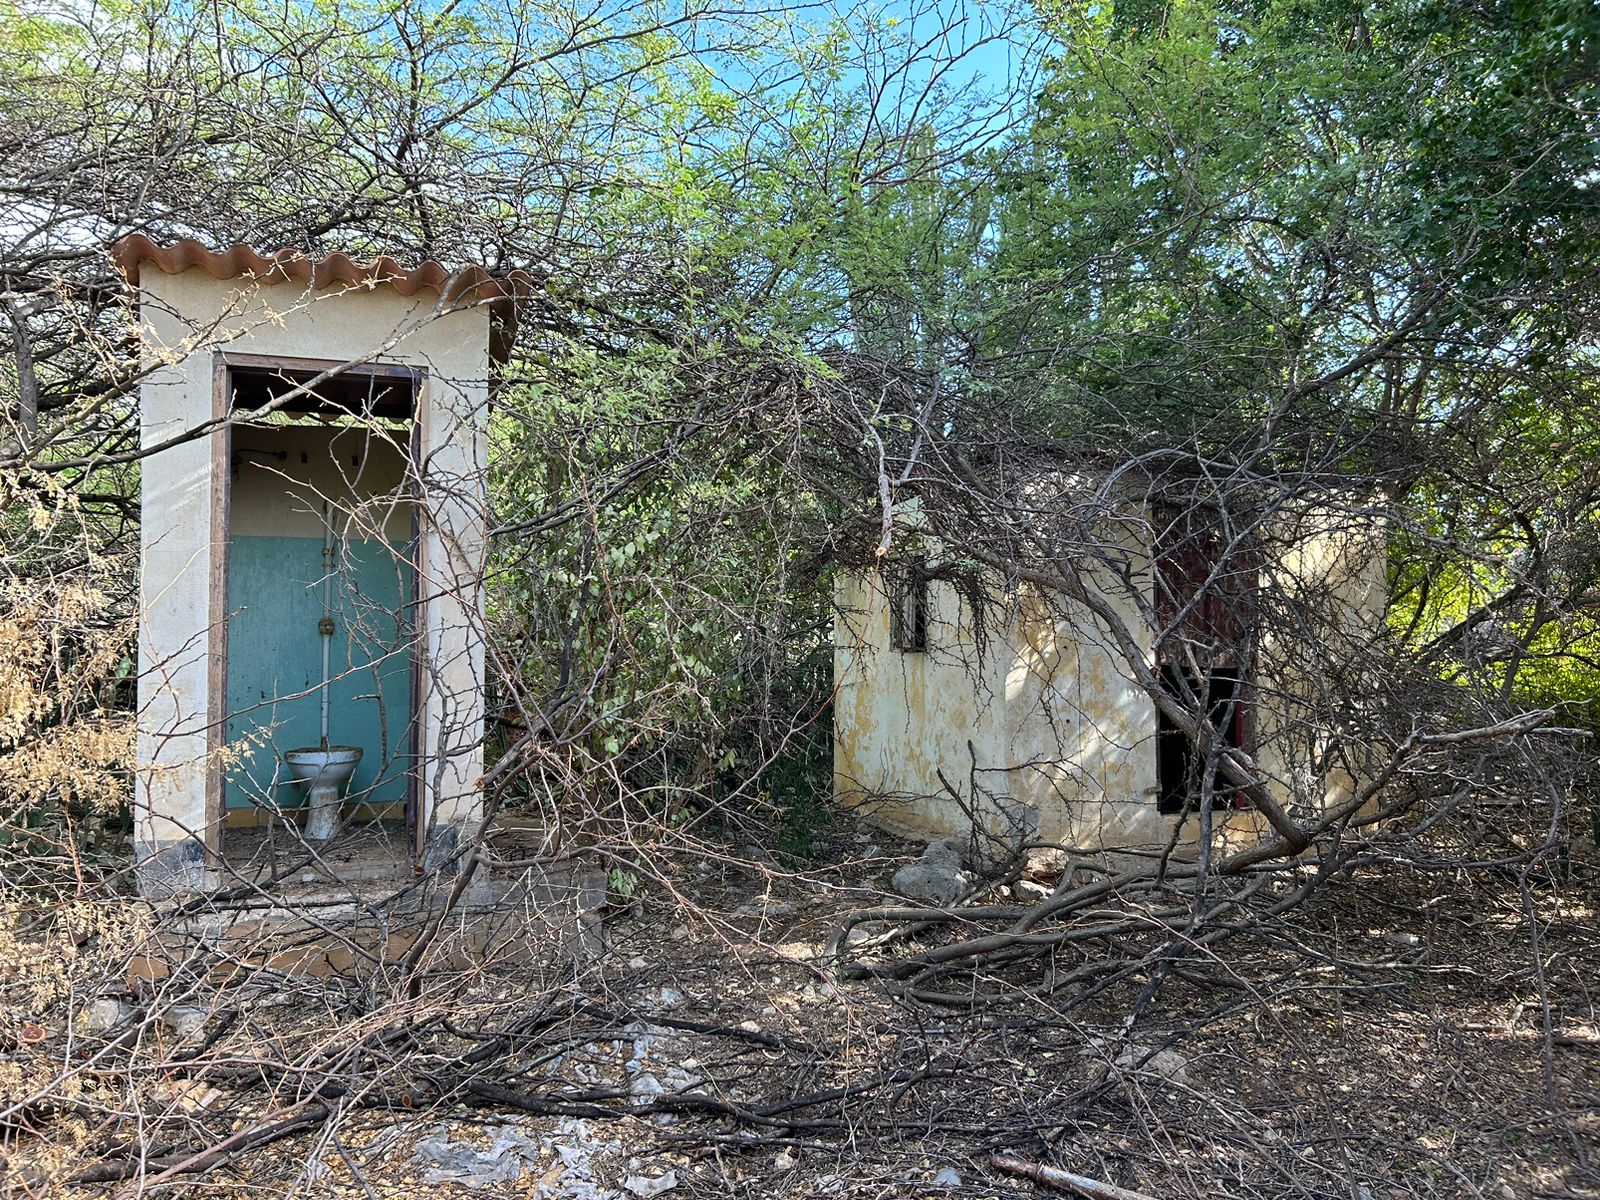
190	319
1332	571
1062	743
1055	721
902	718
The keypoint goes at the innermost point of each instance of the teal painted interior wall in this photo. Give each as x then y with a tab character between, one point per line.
274	668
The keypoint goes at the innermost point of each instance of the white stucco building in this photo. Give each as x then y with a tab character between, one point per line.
312	544
1037	727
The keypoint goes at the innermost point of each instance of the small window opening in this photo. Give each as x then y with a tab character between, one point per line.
909	609
380	398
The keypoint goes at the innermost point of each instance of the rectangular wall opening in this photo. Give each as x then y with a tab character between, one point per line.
1178	759
1206	600
909	608
319	586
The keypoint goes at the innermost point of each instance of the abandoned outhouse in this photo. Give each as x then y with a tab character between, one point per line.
1025	721
311	648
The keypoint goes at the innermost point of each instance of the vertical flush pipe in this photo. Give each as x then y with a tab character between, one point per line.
325	626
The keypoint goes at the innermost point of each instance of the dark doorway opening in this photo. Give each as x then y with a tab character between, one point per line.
1178	759
1207	592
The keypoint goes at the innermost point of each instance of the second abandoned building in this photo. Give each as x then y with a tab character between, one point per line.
1003	706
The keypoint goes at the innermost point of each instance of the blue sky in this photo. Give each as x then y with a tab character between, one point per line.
924	59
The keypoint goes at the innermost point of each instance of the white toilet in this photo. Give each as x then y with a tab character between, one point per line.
324	770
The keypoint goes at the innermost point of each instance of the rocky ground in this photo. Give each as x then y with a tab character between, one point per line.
1394	1040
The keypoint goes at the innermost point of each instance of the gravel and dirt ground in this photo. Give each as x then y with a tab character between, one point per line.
1399	1035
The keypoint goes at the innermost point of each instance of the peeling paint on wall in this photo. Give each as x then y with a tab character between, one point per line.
1047	731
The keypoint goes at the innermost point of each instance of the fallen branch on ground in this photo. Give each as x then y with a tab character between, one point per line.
1065	1180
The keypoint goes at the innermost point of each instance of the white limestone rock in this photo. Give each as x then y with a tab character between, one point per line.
646	1186
107	1015
931	882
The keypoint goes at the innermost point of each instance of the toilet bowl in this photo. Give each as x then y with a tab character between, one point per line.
324	770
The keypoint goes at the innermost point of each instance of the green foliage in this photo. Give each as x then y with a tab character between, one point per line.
667	590
1315	237
621	885
1498	574
1219	205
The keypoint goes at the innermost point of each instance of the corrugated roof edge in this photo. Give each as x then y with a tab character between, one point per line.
468	285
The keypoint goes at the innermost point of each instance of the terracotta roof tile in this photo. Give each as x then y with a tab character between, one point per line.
471	284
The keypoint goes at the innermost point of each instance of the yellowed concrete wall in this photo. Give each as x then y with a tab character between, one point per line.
1089	727
1060	733
186	321
1333	570
1059	726
902	718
